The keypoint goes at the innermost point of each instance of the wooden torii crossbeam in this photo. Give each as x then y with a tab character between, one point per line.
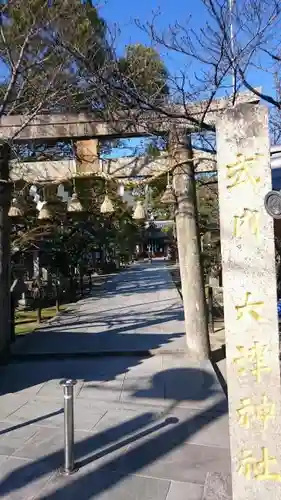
55	171
80	126
86	130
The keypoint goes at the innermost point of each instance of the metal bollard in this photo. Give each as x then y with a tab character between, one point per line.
69	466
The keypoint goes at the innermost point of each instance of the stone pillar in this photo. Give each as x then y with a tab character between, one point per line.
250	310
188	240
87	159
5	199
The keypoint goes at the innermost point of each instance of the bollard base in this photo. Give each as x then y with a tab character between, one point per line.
67	472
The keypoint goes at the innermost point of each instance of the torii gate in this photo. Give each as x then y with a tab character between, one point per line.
86	130
252	344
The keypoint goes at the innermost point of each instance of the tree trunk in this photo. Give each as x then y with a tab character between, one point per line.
194	302
5	302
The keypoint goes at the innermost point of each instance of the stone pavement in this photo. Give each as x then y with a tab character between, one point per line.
138	310
147	427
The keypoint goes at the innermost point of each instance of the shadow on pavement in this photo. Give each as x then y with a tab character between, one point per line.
127	328
143	440
30	422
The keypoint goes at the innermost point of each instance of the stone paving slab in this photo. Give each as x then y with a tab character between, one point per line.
105	486
20	481
50	414
43	440
185	491
10	403
11	440
185	462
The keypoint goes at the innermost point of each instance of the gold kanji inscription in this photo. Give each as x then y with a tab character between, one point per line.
249	412
249	218
239	172
252	468
253	359
249	307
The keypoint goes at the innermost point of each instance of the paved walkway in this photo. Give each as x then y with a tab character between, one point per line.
146	427
138	310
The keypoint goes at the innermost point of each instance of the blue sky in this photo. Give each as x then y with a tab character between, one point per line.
124	12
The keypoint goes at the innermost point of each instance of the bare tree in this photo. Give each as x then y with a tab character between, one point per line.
184	106
40	77
237	46
58	59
